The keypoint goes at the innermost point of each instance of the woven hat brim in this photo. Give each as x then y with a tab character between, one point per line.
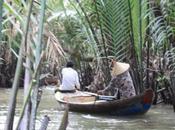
120	68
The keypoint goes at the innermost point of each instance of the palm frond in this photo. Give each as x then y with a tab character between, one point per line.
13	11
114	18
161	27
54	51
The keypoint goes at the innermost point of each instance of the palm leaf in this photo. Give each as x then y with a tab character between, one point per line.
54	51
114	18
13	11
161	26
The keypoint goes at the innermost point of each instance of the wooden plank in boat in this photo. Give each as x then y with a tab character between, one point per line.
79	99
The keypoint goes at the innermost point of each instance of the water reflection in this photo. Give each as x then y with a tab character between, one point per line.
158	118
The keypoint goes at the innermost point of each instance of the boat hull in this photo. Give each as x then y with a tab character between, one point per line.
135	105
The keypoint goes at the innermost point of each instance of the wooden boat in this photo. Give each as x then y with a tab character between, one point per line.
92	103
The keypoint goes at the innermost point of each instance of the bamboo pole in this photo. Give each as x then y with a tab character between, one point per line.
37	57
1	12
27	79
64	121
12	104
24	124
32	83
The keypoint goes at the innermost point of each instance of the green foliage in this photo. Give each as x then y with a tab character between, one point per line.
135	10
55	5
73	31
161	25
114	19
13	11
101	28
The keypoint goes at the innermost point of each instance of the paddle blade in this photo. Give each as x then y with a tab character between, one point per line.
64	121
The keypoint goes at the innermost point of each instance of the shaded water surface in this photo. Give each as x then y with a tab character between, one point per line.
160	117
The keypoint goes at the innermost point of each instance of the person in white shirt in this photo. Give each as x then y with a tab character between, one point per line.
70	79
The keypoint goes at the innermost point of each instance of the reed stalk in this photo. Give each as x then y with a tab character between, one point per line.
12	104
27	79
148	50
32	83
37	57
140	45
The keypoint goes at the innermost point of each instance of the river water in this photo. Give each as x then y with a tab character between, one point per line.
159	117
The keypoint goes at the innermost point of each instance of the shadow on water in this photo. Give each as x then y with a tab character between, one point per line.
160	117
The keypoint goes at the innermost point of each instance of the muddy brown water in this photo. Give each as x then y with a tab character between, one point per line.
159	117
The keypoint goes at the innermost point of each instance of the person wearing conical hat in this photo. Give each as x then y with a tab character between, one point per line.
121	83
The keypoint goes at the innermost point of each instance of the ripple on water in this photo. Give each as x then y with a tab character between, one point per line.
88	116
158	118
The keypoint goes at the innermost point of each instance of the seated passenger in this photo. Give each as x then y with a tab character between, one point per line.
70	79
121	81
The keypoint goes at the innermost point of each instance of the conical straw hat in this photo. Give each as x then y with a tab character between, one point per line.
119	68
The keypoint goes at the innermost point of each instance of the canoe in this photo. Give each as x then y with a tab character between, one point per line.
86	102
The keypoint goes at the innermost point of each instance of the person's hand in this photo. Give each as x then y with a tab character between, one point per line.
100	92
78	89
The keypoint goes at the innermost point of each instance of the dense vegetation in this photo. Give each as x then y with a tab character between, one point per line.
37	37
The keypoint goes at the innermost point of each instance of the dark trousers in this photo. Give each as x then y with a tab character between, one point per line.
65	91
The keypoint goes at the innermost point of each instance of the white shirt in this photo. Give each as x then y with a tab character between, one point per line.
69	79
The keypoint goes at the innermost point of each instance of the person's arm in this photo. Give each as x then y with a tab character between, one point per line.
62	72
108	88
77	83
110	85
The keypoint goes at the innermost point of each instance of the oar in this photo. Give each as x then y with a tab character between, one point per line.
102	97
108	98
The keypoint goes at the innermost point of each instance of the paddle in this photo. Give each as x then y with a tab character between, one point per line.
102	97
